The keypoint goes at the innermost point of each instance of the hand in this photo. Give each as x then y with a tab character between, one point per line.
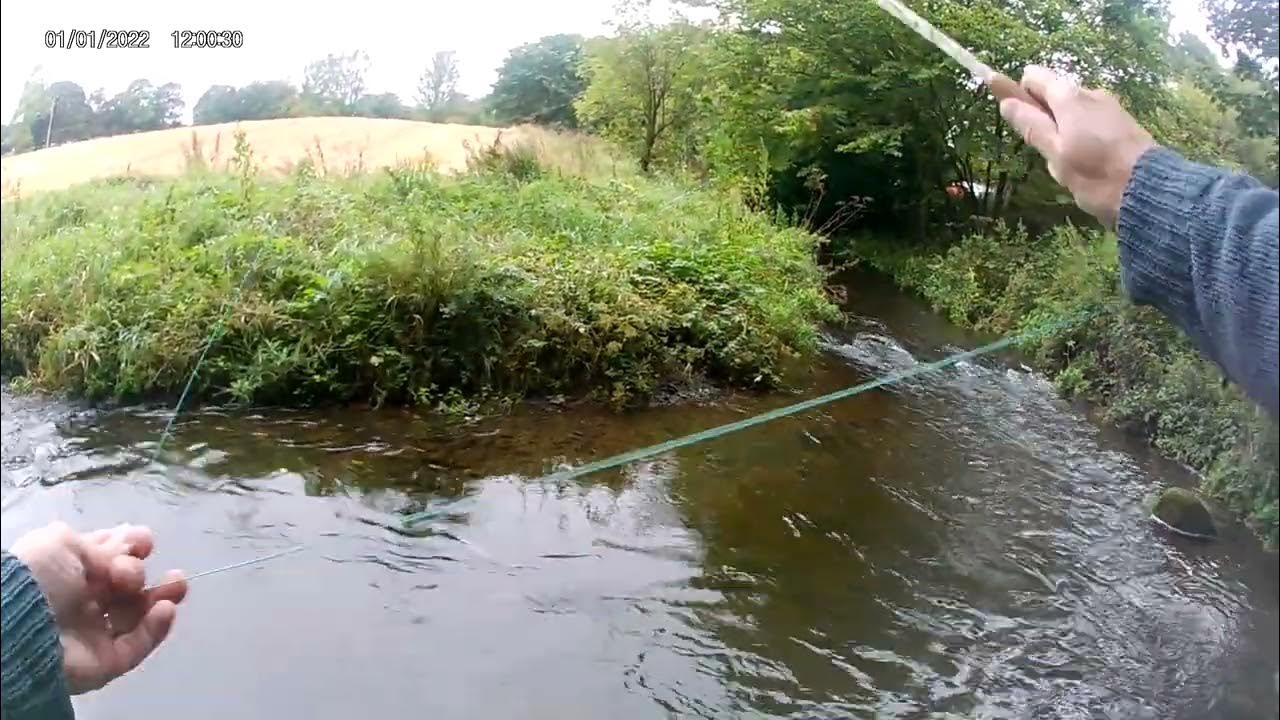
1090	142
94	585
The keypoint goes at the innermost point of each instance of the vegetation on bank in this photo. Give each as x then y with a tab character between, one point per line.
1140	369
403	286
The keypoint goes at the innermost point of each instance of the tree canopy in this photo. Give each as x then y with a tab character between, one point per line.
539	82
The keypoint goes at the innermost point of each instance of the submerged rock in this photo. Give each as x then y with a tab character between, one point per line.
1183	512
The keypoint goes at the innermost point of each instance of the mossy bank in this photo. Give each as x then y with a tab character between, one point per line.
1130	361
401	286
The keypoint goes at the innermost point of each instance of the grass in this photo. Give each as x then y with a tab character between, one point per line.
1129	360
404	285
336	145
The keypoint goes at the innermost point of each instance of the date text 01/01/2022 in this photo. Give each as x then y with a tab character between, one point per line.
207	38
96	39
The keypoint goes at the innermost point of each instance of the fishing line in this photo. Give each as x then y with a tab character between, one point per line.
167	432
631	456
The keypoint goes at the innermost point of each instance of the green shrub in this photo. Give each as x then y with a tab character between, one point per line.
404	286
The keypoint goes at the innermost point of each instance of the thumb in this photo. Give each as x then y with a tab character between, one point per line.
1035	126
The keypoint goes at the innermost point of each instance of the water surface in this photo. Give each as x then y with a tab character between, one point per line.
960	545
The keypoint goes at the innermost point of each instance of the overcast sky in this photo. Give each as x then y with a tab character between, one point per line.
281	37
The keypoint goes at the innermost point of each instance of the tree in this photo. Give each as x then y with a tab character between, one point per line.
139	108
255	101
384	105
643	88
268	100
438	84
841	100
334	83
539	82
218	104
1249	28
52	115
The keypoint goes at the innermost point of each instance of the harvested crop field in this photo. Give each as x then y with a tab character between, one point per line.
339	144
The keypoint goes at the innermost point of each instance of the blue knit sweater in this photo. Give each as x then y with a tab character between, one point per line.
31	683
1199	244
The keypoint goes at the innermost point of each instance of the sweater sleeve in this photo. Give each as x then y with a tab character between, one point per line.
1200	244
31	682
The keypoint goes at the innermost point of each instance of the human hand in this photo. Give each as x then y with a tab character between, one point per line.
94	585
1089	141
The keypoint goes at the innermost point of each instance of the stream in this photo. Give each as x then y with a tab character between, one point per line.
960	545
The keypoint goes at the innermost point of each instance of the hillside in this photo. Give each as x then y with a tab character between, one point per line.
341	143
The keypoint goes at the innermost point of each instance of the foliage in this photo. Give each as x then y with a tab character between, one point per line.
333	84
845	90
539	82
643	89
400	287
1249	28
61	113
438	84
1128	359
1217	117
255	101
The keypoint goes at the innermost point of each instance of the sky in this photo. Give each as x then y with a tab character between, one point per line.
400	37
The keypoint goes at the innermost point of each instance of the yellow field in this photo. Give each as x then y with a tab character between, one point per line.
339	144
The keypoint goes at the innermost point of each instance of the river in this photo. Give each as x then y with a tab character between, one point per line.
963	544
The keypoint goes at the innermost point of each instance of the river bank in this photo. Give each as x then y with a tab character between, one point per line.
1129	362
405	286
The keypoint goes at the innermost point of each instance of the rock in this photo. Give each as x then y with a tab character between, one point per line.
1183	512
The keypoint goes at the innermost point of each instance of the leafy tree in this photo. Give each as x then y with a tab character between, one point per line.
384	105
139	108
1250	29
268	100
643	89
539	82
334	83
438	84
218	104
842	100
56	114
255	101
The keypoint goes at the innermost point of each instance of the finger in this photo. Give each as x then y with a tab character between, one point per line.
1049	88
128	575
1004	87
127	610
133	647
1034	125
137	540
172	588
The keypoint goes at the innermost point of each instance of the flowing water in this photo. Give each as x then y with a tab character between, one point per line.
960	545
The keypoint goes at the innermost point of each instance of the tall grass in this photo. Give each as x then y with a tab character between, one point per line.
1130	360
401	286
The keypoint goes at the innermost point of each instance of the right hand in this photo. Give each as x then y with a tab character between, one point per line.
1089	141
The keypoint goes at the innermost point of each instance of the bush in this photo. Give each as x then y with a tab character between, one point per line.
1128	359
404	286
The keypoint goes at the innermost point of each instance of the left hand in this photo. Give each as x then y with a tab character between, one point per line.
94	584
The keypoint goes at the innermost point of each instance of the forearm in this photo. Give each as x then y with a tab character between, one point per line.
1200	244
32	686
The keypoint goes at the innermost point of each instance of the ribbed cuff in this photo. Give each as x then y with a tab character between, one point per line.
1154	230
31	681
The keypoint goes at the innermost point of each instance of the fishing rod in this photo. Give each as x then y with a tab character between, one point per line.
1002	86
